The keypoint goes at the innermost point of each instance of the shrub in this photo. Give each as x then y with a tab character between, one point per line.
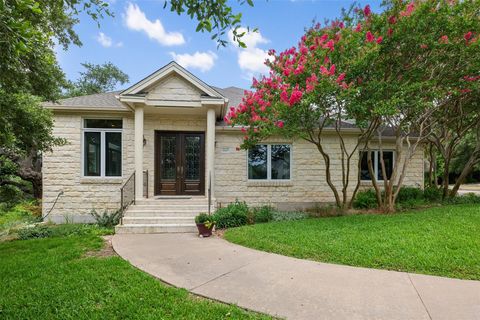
106	219
38	231
263	214
432	194
288	216
233	215
365	200
61	230
469	198
409	194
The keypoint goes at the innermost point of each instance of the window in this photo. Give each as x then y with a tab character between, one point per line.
102	148
388	158
269	162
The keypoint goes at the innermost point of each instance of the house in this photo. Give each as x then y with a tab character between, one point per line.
162	142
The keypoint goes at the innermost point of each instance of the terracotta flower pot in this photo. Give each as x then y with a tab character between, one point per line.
203	231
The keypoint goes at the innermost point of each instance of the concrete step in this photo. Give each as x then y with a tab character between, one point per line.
173	211
194	207
158	220
157	228
160	214
172	202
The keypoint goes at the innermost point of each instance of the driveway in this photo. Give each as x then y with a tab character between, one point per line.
469	188
294	288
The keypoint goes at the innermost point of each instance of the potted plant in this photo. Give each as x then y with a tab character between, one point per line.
205	224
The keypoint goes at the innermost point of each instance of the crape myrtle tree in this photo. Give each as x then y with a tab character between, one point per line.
310	90
430	65
385	72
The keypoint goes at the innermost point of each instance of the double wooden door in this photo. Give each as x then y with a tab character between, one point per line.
179	163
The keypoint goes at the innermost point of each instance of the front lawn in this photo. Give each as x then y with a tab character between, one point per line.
57	278
442	241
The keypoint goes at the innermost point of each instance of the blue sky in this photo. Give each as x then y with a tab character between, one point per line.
143	37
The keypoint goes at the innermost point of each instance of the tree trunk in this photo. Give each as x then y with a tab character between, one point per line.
472	161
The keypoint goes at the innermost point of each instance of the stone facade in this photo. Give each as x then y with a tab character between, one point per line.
307	185
62	168
62	171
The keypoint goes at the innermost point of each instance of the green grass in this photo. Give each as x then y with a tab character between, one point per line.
52	279
442	241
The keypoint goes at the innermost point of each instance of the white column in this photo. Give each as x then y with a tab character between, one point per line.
138	151
210	150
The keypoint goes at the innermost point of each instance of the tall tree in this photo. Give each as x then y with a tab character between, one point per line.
96	79
388	71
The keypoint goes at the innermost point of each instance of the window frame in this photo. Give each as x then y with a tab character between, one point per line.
103	157
269	162
376	163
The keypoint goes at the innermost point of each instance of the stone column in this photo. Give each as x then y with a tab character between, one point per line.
139	151
210	151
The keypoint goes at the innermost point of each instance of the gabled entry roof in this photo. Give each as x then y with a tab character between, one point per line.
141	87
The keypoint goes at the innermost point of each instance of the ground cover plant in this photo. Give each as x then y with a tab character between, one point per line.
440	241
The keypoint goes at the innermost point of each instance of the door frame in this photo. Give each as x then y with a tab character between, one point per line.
180	154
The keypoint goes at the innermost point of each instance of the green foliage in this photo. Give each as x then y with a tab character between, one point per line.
263	214
213	16
106	219
289	216
96	79
432	194
203	218
231	216
409	193
365	200
441	241
469	198
61	230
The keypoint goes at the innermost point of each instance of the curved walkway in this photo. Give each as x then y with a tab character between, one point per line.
294	288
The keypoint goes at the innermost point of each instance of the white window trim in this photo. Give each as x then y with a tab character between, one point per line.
102	132
269	162
376	163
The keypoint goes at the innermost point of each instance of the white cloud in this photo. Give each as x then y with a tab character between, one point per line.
135	19
202	61
104	40
251	59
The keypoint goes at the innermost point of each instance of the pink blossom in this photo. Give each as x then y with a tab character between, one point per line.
298	70
280	124
340	78
408	10
379	39
330	45
467	36
369	37
341	25
367	11
443	39
358	28
324	71
423	46
392	20
243	129
332	70
295	97
390	32
284	96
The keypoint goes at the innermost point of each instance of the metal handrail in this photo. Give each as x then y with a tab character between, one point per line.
146	181
124	206
209	191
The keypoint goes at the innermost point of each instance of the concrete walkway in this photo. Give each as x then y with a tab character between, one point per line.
294	288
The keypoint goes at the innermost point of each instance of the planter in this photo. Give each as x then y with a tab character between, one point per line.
203	231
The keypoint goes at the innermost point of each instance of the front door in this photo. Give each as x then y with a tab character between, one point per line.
179	163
